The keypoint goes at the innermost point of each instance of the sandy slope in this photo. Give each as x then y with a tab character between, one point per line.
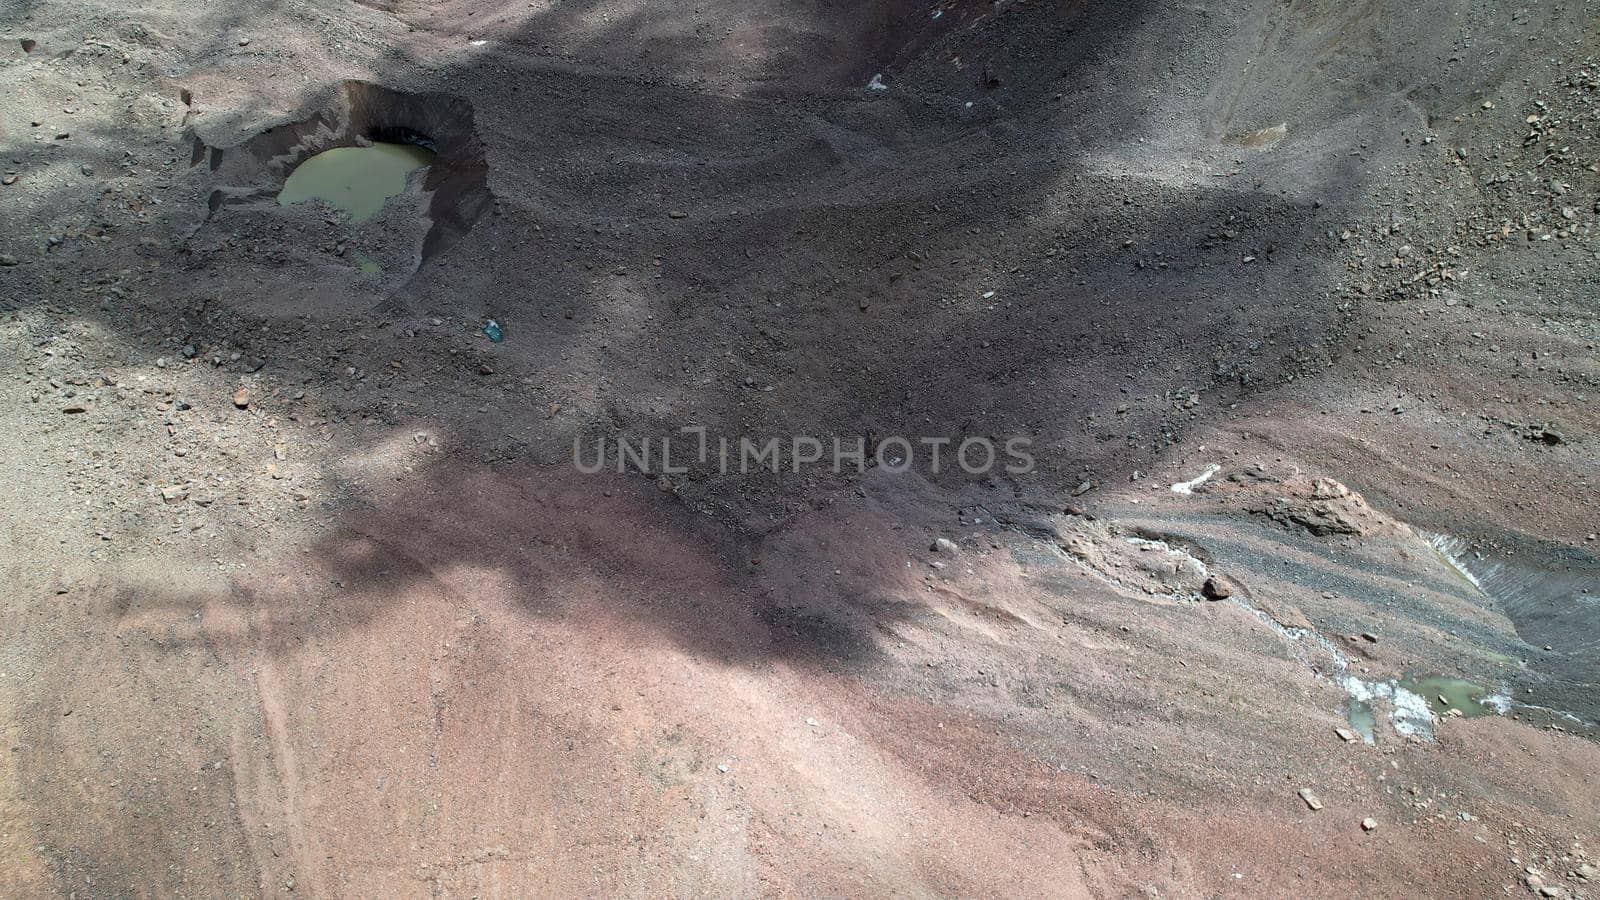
362	630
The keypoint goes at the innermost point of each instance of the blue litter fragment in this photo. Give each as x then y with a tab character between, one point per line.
492	330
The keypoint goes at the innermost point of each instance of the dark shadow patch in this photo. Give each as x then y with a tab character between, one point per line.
814	634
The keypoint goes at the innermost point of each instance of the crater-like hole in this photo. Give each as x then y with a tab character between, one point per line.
355	151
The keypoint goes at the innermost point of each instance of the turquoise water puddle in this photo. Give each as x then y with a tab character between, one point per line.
1444	694
366	264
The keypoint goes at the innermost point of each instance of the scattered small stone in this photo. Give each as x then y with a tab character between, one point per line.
1548	436
945	546
174	494
678	214
8	180
7	259
1369	824
241	398
1369	637
1310	799
1346	735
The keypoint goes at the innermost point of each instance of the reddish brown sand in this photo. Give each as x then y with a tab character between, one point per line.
304	594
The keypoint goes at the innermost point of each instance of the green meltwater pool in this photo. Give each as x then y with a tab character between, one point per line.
357	180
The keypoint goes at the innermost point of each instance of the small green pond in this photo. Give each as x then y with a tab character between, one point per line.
358	180
1444	694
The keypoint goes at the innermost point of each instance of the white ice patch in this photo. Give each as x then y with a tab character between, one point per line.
1408	710
1451	549
1187	487
1184	556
